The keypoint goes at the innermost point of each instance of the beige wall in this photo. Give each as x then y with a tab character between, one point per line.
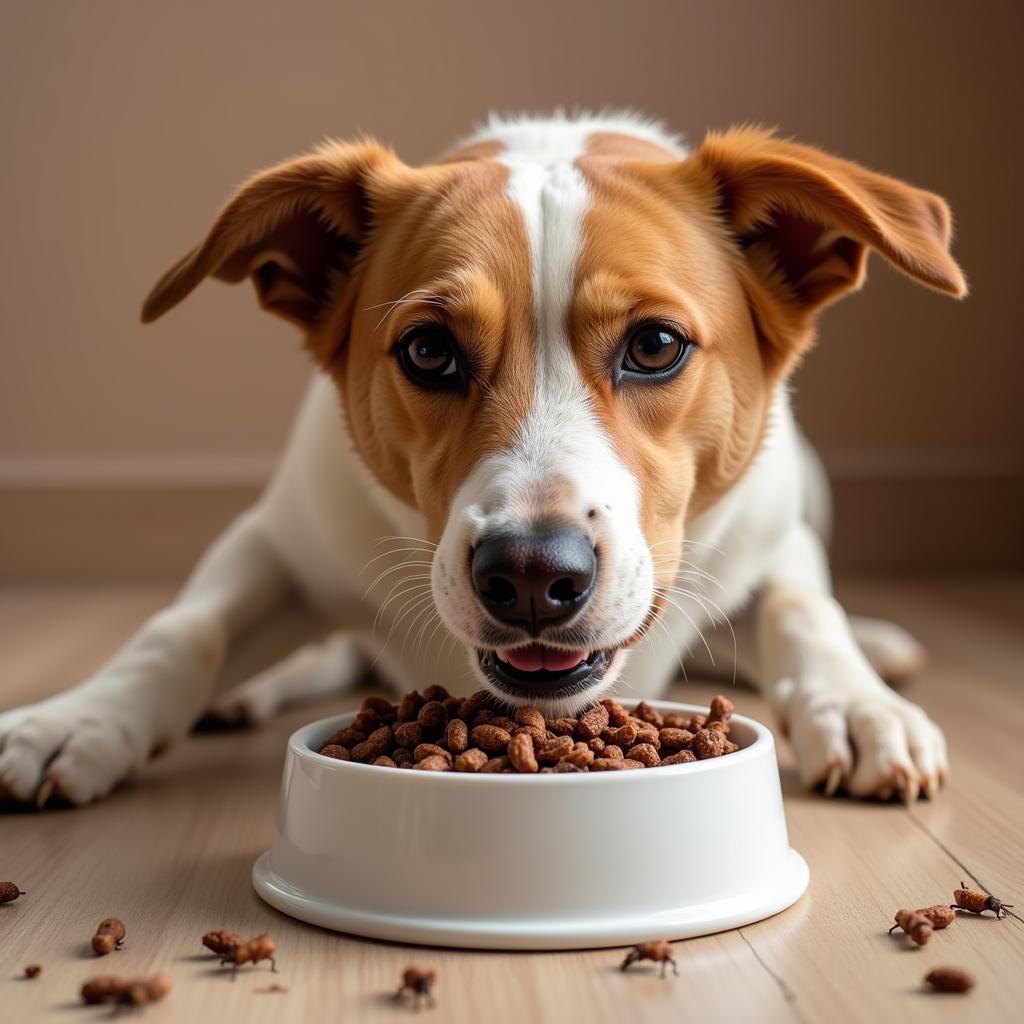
125	124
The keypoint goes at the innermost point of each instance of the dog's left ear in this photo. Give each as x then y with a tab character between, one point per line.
293	229
806	221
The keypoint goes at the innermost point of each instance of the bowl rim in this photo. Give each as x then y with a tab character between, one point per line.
764	743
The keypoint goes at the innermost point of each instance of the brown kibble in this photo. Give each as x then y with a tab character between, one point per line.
916	925
104	988
520	753
109	936
222	942
473	704
564	766
471	760
456	736
721	710
385	762
409	706
434	763
552	751
33	971
644	753
338	752
261	947
367	721
438	693
490	738
451	707
386	711
581	755
408	734
596	744
675	739
949	979
419	983
9	892
977	902
721	727
697	723
431	716
593	723
563	726
612	752
377	743
538	736
107	988
647	714
624	736
425	750
940	915
708	743
495	765
676	720
614	764
530	717
728	747
485	716
402	757
617	714
648	733
347	737
680	757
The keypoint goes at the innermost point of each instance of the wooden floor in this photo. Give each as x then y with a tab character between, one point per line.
172	857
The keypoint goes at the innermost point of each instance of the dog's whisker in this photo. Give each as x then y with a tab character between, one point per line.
388	554
419	540
691	620
724	618
397	568
392	596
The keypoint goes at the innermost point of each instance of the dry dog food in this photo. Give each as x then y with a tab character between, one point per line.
915	924
107	988
977	902
109	936
9	892
949	979
940	915
657	950
435	732
419	983
33	971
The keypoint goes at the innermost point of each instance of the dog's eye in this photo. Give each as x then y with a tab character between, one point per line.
429	356
654	350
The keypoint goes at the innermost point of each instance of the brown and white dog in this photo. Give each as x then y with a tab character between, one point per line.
555	361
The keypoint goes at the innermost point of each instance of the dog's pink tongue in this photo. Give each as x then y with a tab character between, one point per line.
534	657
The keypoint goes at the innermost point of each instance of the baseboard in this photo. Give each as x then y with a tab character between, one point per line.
96	525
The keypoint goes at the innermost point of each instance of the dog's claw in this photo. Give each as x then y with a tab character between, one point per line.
833	779
44	792
911	791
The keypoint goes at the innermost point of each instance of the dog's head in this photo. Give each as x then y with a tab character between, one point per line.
560	349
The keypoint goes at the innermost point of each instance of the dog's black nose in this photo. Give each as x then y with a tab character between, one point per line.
534	580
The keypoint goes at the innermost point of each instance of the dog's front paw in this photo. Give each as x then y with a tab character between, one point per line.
77	746
866	739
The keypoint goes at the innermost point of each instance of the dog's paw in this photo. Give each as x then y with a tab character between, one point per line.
77	746
867	740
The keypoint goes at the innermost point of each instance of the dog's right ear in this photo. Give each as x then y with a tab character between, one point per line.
294	229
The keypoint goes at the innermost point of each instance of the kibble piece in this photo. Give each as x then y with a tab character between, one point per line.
472	704
490	738
593	723
977	902
940	915
617	714
917	926
408	734
949	979
347	737
451	707
222	942
648	733
485	716
708	743
409	706
367	721
377	743
552	751
721	710
9	892
697	723
538	736
644	753
520	753
431	716
564	766
33	971
652	716
419	983
434	763
109	936
612	752
262	947
680	757
338	752
386	711
721	727
438	693
676	720
385	762
456	735
471	760
614	764
402	757
140	991
675	739
530	717
581	755
563	726
425	750
624	736
657	950
596	744
495	765
728	747
104	988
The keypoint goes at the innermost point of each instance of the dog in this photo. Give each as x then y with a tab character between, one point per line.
553	374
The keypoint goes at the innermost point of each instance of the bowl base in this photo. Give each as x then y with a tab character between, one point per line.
775	894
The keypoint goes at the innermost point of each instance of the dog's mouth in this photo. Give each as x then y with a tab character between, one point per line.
538	670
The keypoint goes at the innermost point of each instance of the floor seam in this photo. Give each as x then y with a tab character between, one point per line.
948	852
787	992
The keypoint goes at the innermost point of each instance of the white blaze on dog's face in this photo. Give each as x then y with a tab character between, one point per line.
559	345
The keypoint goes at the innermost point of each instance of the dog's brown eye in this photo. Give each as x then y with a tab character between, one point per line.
429	356
654	350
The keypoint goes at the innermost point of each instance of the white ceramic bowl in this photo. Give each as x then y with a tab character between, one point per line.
532	861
